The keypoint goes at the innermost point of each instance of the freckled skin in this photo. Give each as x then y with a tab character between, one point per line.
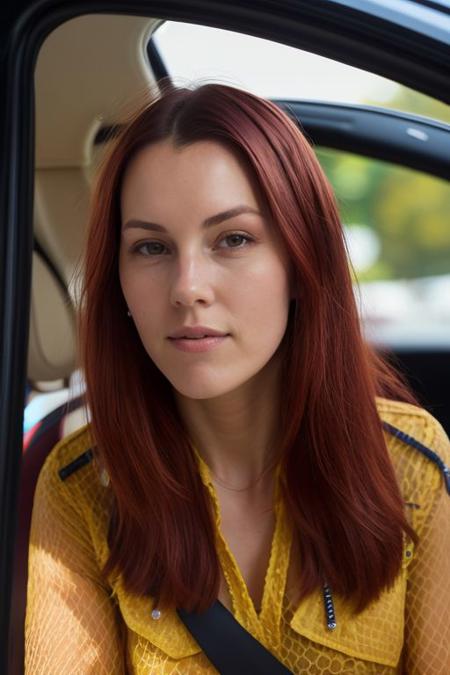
199	276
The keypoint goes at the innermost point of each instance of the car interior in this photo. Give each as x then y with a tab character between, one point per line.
85	87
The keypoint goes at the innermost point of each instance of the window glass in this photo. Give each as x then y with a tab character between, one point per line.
193	52
398	238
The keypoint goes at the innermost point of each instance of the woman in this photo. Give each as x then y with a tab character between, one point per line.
246	444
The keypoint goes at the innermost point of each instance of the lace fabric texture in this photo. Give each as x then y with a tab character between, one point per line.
78	624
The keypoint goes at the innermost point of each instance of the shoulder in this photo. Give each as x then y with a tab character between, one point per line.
420	452
403	411
70	479
412	423
68	459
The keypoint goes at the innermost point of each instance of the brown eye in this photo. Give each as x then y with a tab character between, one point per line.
236	240
149	248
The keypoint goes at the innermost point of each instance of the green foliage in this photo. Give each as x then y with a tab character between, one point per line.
407	210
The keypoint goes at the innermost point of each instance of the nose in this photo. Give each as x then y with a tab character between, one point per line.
192	282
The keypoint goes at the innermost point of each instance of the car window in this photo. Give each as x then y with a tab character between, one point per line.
192	52
398	238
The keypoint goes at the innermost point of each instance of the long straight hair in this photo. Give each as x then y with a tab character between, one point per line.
337	479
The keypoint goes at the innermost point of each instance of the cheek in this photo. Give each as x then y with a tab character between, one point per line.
263	299
146	307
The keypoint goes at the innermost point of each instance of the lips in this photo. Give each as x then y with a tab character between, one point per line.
196	333
198	345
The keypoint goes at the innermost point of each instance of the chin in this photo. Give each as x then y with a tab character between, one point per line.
199	391
202	388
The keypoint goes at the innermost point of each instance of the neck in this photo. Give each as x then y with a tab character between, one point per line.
236	433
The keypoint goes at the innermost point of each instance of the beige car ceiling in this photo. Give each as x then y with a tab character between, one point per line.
90	73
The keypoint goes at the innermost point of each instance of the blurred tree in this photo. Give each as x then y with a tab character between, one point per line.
407	210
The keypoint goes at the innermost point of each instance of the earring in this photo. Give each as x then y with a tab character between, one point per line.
128	313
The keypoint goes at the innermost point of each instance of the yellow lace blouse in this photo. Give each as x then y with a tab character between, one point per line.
77	624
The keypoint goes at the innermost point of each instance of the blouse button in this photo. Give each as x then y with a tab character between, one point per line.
156	614
408	555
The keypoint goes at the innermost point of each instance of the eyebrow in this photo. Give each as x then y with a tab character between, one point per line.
209	222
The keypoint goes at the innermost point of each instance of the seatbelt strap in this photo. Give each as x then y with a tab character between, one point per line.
231	649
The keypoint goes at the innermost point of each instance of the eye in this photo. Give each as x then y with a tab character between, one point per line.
235	237
148	248
153	249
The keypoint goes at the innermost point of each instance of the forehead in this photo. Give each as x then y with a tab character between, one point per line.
205	171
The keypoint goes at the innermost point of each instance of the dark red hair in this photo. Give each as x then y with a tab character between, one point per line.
338	480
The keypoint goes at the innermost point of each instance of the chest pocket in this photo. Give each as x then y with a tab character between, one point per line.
167	632
374	635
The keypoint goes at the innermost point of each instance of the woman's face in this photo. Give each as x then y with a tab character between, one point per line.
197	250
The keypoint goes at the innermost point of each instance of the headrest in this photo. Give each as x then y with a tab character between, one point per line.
51	346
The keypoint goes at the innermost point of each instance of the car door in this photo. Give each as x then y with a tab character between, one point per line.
407	41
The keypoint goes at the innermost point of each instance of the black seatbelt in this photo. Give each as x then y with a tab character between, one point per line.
231	649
